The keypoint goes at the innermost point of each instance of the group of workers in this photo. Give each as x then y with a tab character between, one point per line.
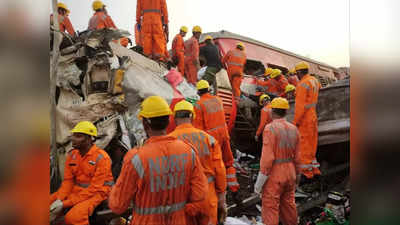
182	177
175	178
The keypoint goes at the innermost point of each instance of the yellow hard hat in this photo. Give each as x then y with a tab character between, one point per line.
97	5
240	44
262	97
208	37
292	71
275	73
184	106
280	103
85	127
290	87
154	106
63	6
302	65
202	84
268	71
184	29
196	29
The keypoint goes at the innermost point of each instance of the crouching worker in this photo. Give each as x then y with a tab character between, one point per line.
213	209
279	167
163	178
87	178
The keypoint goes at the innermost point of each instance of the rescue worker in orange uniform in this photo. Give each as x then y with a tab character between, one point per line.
262	84
279	168
63	20
209	153
178	50
266	114
192	62
87	177
305	118
210	117
152	17
235	61
290	92
292	78
101	20
163	178
277	83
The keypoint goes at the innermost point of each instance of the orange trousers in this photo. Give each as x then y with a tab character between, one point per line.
191	72
154	43
181	63
308	147
278	201
236	81
223	139
79	213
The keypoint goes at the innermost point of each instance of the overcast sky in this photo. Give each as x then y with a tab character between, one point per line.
313	28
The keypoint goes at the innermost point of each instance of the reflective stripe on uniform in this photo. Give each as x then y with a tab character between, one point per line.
237	54
160	209
315	164
231	176
99	157
151	10
305	86
312	105
109	183
215	128
84	185
212	140
277	161
306	166
235	64
137	163
234	183
193	158
210	179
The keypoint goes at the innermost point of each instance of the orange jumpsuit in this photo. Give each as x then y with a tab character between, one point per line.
191	59
152	15
65	24
293	79
305	118
235	60
87	182
101	20
280	162
266	118
210	117
178	51
162	179
209	153
277	87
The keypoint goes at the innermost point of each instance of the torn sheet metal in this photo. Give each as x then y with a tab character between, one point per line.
68	74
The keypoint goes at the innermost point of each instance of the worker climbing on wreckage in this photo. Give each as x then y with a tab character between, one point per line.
152	20
63	19
279	167
277	83
163	178
210	117
266	114
305	118
101	20
213	61
213	209
192	62
235	61
87	178
178	50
